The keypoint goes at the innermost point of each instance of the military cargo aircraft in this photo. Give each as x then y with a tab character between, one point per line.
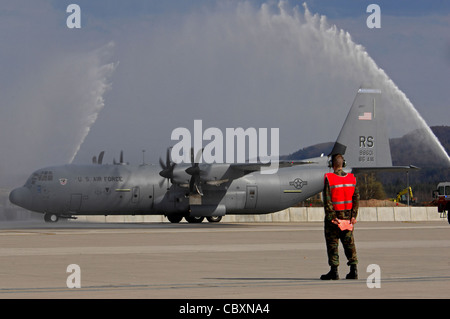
195	191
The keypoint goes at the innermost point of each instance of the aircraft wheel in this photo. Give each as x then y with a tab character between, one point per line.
214	219
175	218
51	218
195	220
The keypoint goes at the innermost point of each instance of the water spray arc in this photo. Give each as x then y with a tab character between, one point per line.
276	48
94	101
335	41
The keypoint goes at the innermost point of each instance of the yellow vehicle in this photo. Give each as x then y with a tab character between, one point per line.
405	196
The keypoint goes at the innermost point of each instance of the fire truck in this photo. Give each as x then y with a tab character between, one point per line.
442	198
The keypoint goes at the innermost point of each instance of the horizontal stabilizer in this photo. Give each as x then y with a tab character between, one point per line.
384	169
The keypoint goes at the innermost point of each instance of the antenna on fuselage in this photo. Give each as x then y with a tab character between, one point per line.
100	158
121	162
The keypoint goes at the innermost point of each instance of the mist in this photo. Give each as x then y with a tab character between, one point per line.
233	65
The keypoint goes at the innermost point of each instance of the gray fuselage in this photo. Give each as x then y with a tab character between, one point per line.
124	189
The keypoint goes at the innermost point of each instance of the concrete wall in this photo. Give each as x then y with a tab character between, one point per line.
297	214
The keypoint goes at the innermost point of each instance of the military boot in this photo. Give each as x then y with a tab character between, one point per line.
353	274
332	274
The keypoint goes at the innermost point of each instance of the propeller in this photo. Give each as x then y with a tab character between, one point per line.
121	162
100	158
194	171
167	168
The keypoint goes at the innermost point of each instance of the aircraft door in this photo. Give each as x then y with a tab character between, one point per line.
75	202
252	196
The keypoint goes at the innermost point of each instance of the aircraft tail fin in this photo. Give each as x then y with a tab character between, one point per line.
363	139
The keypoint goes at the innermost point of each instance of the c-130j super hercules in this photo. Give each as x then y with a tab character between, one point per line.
197	190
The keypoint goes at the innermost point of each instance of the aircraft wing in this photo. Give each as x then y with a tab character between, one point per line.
254	167
384	169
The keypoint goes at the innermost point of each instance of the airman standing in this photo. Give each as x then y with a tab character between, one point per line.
341	202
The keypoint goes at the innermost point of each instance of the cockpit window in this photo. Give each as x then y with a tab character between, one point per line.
40	176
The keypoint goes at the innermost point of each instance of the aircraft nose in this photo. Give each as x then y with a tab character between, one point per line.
21	197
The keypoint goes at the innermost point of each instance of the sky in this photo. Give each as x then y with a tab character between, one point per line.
137	70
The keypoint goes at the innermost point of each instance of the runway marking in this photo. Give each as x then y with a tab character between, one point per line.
186	228
208	248
223	283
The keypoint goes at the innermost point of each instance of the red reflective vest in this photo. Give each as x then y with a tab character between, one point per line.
342	189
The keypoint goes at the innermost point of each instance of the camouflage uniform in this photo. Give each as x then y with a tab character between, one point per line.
332	231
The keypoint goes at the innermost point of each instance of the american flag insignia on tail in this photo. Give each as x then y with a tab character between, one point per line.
367	116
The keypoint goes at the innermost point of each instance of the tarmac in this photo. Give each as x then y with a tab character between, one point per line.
219	261
293	214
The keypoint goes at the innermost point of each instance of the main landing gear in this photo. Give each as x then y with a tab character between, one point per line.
53	218
176	218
